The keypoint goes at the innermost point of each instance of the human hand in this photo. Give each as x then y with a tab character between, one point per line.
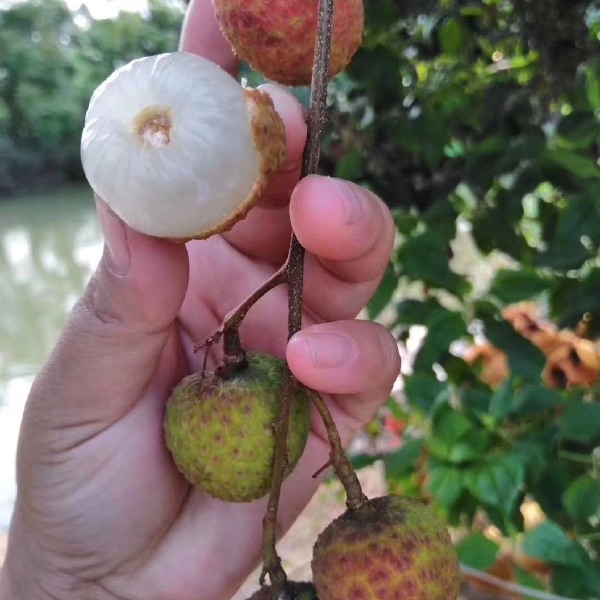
101	510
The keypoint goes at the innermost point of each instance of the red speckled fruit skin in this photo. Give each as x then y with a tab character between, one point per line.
392	548
277	37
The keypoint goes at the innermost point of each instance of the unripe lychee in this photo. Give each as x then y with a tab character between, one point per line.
220	430
177	148
277	37
391	548
297	590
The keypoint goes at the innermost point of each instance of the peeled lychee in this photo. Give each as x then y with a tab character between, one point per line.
297	590
392	548
178	148
277	37
220	430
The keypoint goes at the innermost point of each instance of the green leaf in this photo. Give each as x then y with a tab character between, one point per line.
514	286
405	460
572	298
424	257
350	166
498	482
502	400
492	231
574	236
450	425
470	447
422	391
478	552
431	133
532	453
417	312
443	328
572	582
455	437
581	423
533	400
384	293
405	221
582	500
579	130
441	220
445	483
475	400
592	84
550	543
454	36
585	167
360	461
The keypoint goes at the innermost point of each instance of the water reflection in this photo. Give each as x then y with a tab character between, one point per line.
49	245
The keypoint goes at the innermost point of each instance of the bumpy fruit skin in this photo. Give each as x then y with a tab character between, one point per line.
220	431
277	37
298	591
392	548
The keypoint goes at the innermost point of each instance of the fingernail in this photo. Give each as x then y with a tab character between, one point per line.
115	236
353	202
329	349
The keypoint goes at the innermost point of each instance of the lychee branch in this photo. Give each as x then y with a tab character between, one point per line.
317	121
355	498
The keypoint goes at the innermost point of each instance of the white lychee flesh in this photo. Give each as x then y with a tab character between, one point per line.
170	144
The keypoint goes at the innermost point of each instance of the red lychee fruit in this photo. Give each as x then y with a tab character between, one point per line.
392	548
277	37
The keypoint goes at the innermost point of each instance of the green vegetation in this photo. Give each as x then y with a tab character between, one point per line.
49	67
485	114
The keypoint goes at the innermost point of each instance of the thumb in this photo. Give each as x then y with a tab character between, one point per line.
116	333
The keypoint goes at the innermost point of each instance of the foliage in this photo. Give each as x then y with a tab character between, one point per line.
51	60
477	121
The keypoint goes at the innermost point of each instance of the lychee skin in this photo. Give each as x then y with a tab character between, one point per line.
277	37
220	431
392	548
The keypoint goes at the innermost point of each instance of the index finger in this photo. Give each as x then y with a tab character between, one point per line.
202	35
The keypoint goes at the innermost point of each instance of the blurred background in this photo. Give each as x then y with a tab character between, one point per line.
478	122
53	54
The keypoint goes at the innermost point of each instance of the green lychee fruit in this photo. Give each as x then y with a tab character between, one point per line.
392	548
298	591
220	430
277	37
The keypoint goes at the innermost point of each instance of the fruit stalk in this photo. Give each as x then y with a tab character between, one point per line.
355	498
317	121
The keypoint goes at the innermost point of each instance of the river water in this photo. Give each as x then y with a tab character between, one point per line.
49	245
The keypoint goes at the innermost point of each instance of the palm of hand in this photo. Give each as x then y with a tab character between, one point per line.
111	502
102	511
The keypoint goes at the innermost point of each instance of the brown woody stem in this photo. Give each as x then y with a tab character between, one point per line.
233	319
317	121
355	497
